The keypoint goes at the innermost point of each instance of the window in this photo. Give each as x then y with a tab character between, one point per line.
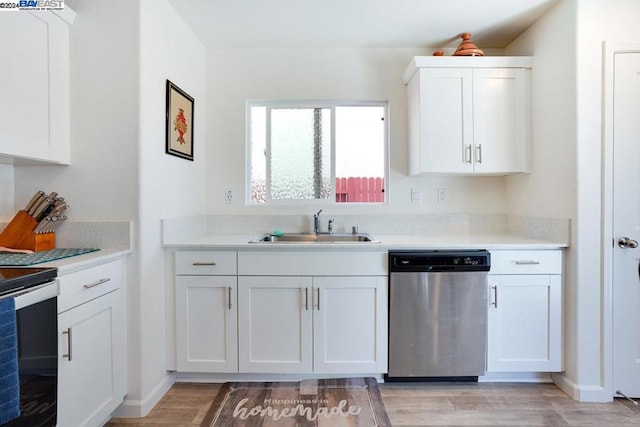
332	152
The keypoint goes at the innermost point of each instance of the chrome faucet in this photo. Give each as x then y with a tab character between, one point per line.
316	222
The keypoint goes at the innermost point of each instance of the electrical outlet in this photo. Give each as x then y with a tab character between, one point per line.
228	196
443	195
416	195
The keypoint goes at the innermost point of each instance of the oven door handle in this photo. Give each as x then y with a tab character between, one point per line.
30	296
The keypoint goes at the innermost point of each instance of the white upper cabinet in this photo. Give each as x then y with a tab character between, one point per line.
34	81
468	115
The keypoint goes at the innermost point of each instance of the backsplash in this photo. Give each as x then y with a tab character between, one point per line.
103	235
556	230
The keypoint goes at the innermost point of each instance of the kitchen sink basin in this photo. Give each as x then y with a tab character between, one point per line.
315	238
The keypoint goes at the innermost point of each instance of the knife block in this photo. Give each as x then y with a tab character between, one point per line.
18	234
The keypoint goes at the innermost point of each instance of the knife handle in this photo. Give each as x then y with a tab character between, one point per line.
36	197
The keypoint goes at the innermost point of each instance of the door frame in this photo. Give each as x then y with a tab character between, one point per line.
609	52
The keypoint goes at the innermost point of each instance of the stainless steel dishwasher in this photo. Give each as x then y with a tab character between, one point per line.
438	315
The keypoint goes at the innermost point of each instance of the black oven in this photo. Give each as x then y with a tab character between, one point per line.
35	292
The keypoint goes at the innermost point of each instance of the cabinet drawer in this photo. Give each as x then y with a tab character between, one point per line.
312	263
206	263
526	262
84	285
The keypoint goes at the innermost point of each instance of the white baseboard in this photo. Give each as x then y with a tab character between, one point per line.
515	377
138	408
582	393
195	377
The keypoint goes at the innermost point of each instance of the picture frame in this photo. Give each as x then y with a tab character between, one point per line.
179	122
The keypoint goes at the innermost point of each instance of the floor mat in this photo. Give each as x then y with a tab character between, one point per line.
344	401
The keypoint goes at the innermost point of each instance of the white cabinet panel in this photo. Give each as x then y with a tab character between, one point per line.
275	324
526	262
92	361
350	318
206	323
206	262
84	285
292	324
34	81
500	120
525	324
443	105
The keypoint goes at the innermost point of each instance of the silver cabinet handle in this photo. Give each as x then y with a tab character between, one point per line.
68	333
204	263
318	289
229	305
527	262
479	153
627	243
306	298
495	296
97	283
467	154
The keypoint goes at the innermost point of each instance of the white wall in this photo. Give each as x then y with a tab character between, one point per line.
237	75
102	181
550	189
121	55
616	23
7	188
568	46
169	186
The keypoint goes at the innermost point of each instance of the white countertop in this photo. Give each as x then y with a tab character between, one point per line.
387	242
71	264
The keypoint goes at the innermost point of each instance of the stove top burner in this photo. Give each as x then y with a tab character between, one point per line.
13	278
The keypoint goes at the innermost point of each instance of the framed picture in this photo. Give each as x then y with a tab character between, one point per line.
179	122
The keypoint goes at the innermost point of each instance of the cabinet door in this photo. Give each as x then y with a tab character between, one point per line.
207	323
500	120
350	324
444	138
34	82
92	361
524	323
274	324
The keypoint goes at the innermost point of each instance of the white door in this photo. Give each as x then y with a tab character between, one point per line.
626	223
92	350
349	324
524	324
445	126
274	324
207	323
500	125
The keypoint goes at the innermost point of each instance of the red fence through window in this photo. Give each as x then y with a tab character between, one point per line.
359	189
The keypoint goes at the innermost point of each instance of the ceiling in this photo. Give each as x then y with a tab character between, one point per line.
358	23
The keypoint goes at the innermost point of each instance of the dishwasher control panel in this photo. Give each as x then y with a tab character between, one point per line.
426	261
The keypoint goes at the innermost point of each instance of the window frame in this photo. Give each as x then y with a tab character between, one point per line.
330	104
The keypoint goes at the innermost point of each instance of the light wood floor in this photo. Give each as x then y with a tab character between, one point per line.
423	404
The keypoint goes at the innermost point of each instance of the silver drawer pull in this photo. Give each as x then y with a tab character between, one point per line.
204	263
97	283
68	333
527	262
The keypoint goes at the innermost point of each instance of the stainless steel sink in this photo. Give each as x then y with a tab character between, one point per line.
315	238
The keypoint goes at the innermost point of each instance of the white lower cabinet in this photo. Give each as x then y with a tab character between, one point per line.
350	324
207	323
91	345
274	325
525	312
302	324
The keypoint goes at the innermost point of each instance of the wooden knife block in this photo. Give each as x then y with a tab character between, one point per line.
18	234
